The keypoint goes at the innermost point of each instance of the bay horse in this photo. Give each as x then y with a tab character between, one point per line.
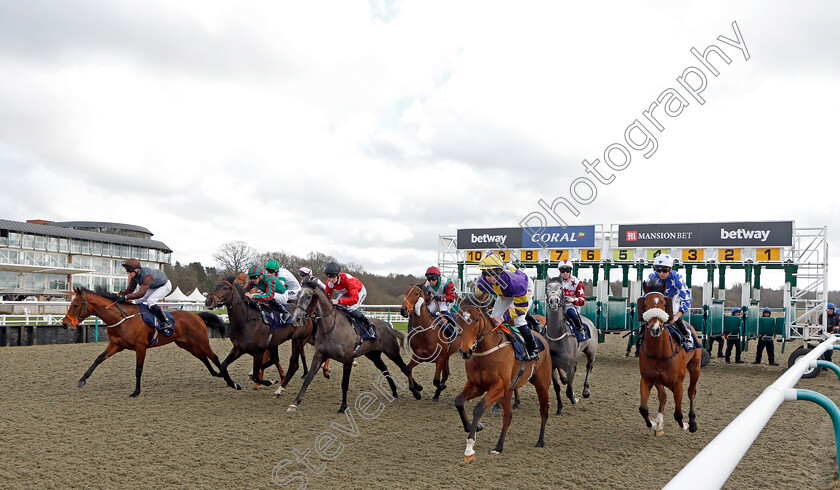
492	369
243	280
663	362
565	347
250	335
427	341
335	338
126	330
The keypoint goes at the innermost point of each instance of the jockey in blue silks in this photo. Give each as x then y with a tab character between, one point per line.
676	289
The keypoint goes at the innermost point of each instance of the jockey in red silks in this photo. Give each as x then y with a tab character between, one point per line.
351	293
439	295
573	292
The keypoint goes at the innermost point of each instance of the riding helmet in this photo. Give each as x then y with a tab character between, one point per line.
272	266
332	269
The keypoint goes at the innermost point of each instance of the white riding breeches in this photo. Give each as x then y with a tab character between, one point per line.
504	304
436	307
362	296
154	296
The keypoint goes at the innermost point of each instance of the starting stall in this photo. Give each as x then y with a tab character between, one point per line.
701	251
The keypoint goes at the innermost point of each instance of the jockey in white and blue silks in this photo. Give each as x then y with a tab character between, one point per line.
676	289
288	280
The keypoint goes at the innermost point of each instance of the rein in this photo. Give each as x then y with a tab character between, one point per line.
481	337
76	321
670	343
563	320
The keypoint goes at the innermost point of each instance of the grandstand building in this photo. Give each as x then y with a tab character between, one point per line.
46	259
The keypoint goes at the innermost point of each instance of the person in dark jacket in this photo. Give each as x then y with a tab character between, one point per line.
765	342
732	340
832	326
151	286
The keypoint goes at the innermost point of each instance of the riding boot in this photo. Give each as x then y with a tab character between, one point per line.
685	333
530	345
165	327
356	314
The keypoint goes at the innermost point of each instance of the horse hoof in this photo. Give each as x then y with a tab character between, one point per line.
355	363
292	408
237	386
342	409
559	413
658	432
275	381
327	375
469	459
417	394
684	426
494	452
692	426
540	444
81	383
586	394
479	427
133	395
256	387
418	387
435	399
278	392
575	401
497	409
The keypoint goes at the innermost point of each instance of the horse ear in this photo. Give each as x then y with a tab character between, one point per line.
640	308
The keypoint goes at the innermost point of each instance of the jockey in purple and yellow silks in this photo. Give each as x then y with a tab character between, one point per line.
513	297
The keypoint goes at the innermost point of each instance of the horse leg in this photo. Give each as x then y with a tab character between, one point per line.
677	390
506	418
469	392
303	363
570	392
257	370
317	359
345	383
541	385
590	360
109	351
325	368
441	373
411	365
496	393
557	392
376	358
138	370
204	353
271	358
197	352
515	399
392	351
694	376
644	389
663	397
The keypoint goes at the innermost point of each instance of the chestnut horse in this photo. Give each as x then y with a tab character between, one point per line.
492	369
126	330
249	335
426	339
663	362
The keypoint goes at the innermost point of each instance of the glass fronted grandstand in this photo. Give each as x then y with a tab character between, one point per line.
46	259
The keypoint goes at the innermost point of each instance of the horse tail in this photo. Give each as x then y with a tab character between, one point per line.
214	322
401	337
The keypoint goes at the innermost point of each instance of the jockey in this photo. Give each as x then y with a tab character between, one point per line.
268	284
573	292
676	289
272	267
306	272
439	296
351	294
514	298
154	286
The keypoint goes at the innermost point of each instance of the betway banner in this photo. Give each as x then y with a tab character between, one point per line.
484	238
559	237
734	234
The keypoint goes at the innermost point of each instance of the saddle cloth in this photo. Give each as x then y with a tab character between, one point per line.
150	318
277	316
448	320
519	345
360	329
581	336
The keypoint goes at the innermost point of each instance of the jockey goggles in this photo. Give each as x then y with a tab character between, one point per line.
491	272
332	276
662	269
565	269
432	277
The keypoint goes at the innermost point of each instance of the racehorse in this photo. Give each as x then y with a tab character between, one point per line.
126	330
492	369
335	338
565	347
243	280
663	362
250	335
426	339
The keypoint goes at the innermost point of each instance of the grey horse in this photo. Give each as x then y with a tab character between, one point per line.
335	338
564	346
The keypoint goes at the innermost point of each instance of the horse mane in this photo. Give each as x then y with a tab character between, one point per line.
312	282
100	291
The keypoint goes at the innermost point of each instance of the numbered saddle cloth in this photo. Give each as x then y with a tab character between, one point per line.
150	318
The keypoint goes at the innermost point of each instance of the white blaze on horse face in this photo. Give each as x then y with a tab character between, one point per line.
417	306
466	316
469	451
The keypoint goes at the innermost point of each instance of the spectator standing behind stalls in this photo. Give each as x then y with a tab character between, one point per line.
832	326
765	342
734	340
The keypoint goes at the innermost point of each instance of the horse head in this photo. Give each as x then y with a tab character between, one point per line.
473	322
223	294
656	315
411	297
554	295
87	303
307	301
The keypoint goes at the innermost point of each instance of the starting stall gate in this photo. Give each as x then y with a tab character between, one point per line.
699	249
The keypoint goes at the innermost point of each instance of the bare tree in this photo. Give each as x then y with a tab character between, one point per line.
235	257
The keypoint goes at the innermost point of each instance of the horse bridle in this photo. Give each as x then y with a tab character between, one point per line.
479	335
229	296
558	308
671	343
76	321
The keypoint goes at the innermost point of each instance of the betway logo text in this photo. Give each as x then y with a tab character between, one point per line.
744	234
488	238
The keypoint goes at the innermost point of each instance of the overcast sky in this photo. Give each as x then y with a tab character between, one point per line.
365	129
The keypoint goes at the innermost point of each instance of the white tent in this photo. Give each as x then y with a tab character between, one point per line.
176	296
196	296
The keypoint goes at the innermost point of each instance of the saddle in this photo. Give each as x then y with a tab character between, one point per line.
358	326
583	334
274	315
150	318
518	344
448	324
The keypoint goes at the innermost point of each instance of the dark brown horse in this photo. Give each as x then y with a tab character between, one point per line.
426	339
126	330
663	362
249	335
335	338
492	369
242	280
